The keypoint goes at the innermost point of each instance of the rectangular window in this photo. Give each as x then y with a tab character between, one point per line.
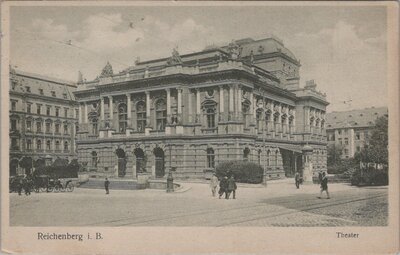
48	127
340	132
53	93
65	129
66	112
39	127
48	145
48	110
28	125
28	89
13	105
39	109
57	112
57	128
13	125
41	92
13	85
346	141
28	108
76	113
29	144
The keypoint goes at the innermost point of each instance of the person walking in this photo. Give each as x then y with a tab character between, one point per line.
223	185
20	185
214	184
106	185
297	179
25	183
324	185
231	188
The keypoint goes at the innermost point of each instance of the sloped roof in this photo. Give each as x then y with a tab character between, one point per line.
354	118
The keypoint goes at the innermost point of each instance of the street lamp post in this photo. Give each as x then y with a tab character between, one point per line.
263	134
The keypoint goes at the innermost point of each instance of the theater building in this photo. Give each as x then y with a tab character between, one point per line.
42	119
191	112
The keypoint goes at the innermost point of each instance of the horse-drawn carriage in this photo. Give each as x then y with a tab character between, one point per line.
45	183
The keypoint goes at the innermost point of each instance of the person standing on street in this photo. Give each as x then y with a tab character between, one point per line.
223	186
214	184
106	184
231	188
297	179
20	185
324	185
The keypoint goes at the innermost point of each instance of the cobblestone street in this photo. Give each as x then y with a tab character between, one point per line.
279	204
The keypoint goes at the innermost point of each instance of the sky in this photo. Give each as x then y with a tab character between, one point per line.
342	48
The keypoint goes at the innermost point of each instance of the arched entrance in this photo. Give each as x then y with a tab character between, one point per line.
159	162
121	162
140	161
13	167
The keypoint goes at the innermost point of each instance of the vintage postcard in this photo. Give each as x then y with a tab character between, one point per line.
199	127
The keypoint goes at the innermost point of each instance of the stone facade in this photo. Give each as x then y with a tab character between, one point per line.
42	119
194	111
351	130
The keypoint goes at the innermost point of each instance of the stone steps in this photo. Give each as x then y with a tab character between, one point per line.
114	184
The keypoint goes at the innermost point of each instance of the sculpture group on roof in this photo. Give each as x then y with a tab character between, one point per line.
107	71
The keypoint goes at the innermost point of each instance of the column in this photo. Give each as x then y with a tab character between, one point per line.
128	108
102	109
239	99
168	105
110	107
190	106
148	108
80	113
85	114
230	99
221	99
197	101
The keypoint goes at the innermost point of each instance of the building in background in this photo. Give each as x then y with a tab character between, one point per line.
43	118
351	130
242	101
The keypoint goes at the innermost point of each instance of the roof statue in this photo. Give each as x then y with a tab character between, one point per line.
80	77
107	71
234	50
310	85
175	59
137	61
251	58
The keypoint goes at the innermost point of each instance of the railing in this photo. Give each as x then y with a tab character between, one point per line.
209	130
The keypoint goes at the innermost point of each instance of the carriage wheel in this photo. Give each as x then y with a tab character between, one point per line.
70	187
43	189
50	189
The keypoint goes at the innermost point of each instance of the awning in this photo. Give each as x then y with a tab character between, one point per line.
291	147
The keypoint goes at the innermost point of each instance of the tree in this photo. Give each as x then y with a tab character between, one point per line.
26	163
60	162
376	151
335	152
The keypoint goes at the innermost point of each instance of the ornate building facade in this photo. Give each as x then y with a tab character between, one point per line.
191	112
42	119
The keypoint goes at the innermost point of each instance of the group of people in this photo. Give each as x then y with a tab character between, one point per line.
25	183
323	181
227	186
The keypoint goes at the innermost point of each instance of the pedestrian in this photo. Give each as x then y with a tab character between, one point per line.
214	184
106	184
319	177
20	185
223	185
297	179
324	185
25	183
231	188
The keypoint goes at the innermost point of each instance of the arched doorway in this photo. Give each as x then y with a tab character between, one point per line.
121	162
159	162
13	167
140	161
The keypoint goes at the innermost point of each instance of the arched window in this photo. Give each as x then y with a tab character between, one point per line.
246	153
48	127
39	144
140	161
66	146
94	159
39	126
245	112
29	144
66	128
141	116
210	118
122	117
210	158
267	119
48	145
57	145
161	115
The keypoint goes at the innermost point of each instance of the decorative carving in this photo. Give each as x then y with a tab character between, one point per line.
175	59
234	50
107	71
210	93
